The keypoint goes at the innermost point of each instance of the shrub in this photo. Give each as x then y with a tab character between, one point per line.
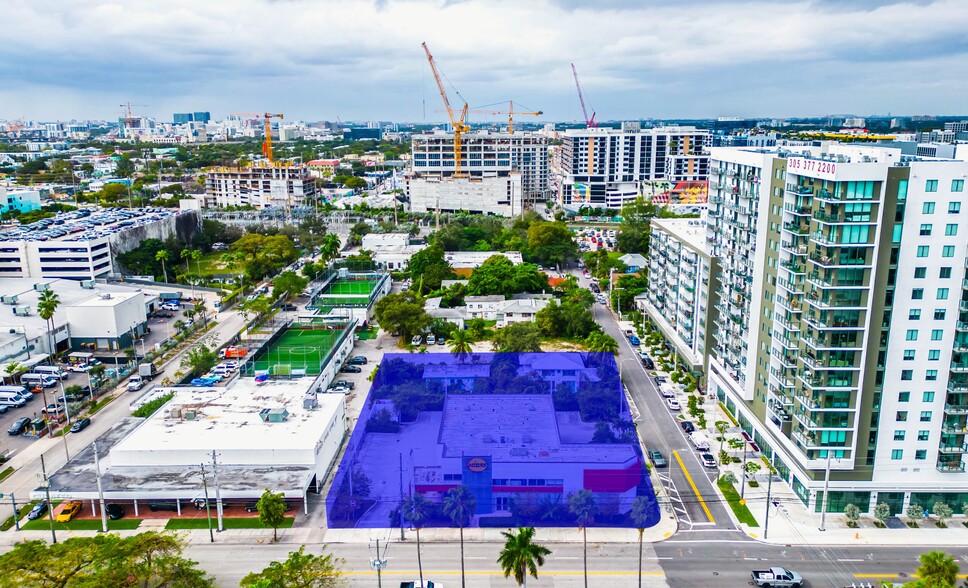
943	512
915	512
852	512
728	477
149	408
881	512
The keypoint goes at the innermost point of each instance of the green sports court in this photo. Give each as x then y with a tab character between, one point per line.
297	348
356	291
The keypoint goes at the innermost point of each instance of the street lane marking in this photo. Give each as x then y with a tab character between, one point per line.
695	490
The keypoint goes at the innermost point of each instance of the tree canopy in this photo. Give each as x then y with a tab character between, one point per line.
299	570
402	313
498	275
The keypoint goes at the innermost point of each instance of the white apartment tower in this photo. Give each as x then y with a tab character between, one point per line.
604	167
260	186
840	340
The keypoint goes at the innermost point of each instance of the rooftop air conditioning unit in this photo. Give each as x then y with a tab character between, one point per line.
41	287
88	284
189	414
21	310
9	299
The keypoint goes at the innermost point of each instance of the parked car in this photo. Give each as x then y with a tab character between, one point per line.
345	384
634	340
115	511
350	369
687	426
647	363
357	360
673	404
80	367
162	506
441	341
39	510
70	511
657	459
80	424
417	340
19	426
707	460
289	307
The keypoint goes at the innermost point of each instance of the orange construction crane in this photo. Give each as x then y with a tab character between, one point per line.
510	112
457	123
267	144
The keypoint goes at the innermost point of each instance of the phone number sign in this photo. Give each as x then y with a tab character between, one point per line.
824	170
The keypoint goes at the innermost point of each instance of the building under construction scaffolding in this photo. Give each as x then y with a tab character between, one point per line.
260	186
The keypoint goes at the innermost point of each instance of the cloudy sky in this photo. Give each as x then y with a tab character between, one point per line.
362	59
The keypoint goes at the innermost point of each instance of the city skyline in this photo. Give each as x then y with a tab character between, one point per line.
362	60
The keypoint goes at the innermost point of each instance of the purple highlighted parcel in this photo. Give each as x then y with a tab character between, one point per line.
510	438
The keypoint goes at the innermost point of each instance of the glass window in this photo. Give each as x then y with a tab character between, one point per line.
923	435
901	416
914	314
927	208
931	186
948	251
926	230
917	293
927	397
934	354
911	335
903	396
950	230
957	185
939	314
920	454
931	375
925	416
908	355
942	293
936	334
899	435
954	207
897	454
902	189
923	250
920	272
907	375
944	273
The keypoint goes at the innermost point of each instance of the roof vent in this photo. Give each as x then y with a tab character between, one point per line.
88	284
41	287
9	299
21	310
274	415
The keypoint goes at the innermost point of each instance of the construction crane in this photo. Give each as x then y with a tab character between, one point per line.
457	123
589	122
511	112
127	106
267	144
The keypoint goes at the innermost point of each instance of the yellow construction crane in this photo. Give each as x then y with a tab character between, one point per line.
458	124
511	112
267	144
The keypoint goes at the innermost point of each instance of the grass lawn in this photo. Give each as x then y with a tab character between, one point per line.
209	263
740	510
6	473
82	525
367	334
21	513
227	523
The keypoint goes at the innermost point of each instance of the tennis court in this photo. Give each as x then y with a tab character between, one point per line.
361	286
299	348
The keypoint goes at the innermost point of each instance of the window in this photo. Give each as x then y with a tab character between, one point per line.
923	250
925	230
907	375
944	273
903	396
923	435
920	272
931	186
897	454
957	185
931	375
908	355
954	207
942	293
899	435
914	314
927	208
925	416
917	294
901	416
937	334
920	454
939	314
911	335
934	354
927	397
950	230
948	251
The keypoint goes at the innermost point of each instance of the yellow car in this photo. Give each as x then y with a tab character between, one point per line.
70	511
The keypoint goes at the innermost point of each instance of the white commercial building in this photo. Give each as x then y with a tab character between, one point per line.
492	194
260	186
391	251
840	340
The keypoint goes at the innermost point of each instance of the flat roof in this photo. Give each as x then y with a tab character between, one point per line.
687	230
106	299
474	259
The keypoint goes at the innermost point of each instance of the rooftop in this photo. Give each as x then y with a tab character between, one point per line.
687	230
474	259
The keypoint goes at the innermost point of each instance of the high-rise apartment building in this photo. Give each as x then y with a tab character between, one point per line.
260	186
839	341
604	167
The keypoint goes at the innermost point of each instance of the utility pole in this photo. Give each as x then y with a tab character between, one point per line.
826	488
218	492
742	486
208	506
769	489
100	490
400	456
50	507
378	563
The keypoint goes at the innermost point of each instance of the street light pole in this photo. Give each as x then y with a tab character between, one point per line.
208	506
769	489
100	490
50	506
826	488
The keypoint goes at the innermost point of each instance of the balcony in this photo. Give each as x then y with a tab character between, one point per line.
955	409
960	346
804	440
794	248
794	267
953	428
960	368
957	387
797	228
963	448
963	305
792	305
952	467
820	281
797	210
828	302
825	217
961	326
799	190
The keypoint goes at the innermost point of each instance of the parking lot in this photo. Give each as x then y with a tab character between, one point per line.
85	224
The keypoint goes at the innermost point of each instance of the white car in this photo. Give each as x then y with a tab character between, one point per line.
707	460
673	404
79	367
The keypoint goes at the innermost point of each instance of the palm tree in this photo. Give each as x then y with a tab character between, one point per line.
937	569
46	307
600	342
459	505
162	256
12	369
330	247
186	255
197	256
460	344
582	505
200	310
521	556
416	509
642	508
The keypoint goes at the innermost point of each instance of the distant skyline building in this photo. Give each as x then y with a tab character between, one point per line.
182	118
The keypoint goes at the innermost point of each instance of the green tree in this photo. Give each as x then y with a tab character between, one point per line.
582	505
250	244
330	247
633	234
459	506
200	310
428	268
357	231
416	509
642	508
942	511
600	342
517	338
199	359
551	243
287	285
915	512
163	256
881	511
272	511
460	344
498	275
521	556
47	305
402	313
299	570
937	570
852	512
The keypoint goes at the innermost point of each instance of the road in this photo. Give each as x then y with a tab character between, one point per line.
55	450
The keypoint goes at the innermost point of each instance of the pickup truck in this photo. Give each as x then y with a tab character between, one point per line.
135	383
777	577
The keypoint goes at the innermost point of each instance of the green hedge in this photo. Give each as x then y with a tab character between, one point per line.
149	408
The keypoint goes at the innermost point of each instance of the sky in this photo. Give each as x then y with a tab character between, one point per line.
362	59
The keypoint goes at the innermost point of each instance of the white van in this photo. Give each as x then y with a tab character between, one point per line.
52	371
13	396
38	379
